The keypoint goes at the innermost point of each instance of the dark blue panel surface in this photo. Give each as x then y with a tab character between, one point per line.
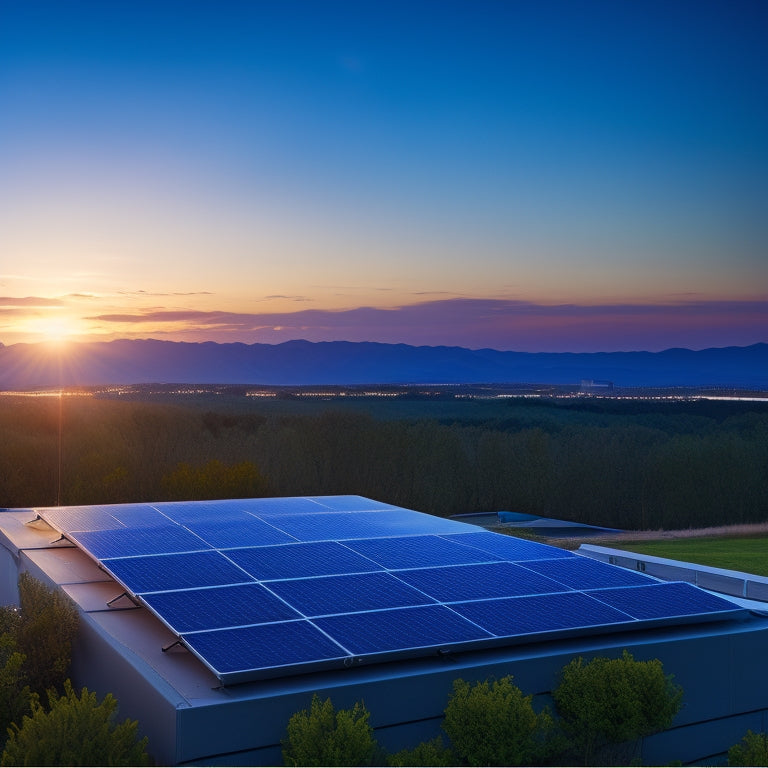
318	558
666	600
133	542
584	573
247	532
161	573
509	547
197	609
425	627
347	594
264	646
417	552
474	582
541	613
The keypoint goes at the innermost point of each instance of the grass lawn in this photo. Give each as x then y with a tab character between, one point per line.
738	554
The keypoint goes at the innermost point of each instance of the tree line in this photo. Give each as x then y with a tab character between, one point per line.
630	467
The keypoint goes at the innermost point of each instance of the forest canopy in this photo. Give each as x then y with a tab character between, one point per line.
632	465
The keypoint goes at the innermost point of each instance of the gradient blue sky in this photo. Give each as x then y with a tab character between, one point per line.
538	176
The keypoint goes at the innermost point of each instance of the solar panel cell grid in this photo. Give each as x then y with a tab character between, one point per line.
508	547
347	594
132	542
232	606
161	573
246	532
417	552
319	558
519	616
431	626
584	573
265	646
666	600
474	582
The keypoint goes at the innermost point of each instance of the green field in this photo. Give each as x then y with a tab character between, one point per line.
738	554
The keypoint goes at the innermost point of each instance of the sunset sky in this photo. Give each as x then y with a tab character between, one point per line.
537	176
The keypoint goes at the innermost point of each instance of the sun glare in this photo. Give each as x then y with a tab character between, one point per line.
54	330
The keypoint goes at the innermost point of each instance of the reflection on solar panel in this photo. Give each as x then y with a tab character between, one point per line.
265	587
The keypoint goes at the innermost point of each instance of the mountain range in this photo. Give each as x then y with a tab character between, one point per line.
27	366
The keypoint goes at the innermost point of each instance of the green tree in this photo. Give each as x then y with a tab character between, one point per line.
77	730
432	752
324	736
751	750
493	723
16	699
47	625
611	702
215	480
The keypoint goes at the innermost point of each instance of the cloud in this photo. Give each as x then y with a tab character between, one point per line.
29	302
478	323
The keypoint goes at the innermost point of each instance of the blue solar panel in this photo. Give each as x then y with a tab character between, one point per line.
236	653
424	628
508	547
319	558
665	600
185	511
351	503
161	573
417	552
583	573
138	516
284	506
247	532
473	582
516	616
132	542
69	519
233	606
347	594
341	526
238	580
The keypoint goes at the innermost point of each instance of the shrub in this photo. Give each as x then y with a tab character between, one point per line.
324	736
751	750
495	724
46	628
75	731
432	752
16	699
614	701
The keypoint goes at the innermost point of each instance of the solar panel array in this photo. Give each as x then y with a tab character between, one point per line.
264	587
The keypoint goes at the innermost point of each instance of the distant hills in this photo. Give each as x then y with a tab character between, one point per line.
26	366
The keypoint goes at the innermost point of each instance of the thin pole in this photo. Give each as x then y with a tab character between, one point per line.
58	481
